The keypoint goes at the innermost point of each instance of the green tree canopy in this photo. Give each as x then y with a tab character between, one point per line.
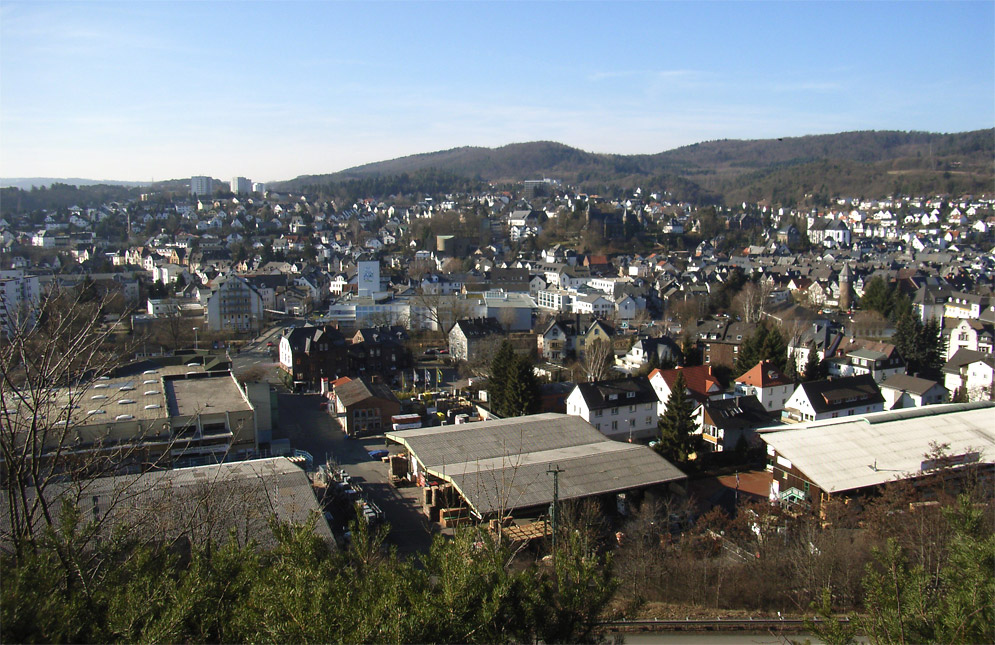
521	394
767	343
500	373
921	345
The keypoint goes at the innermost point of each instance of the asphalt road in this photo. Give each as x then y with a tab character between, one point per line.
308	427
312	429
257	354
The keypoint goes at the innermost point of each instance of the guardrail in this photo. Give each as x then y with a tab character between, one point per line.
714	623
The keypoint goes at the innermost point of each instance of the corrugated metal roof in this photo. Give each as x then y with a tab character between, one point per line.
870	450
200	503
456	444
499	466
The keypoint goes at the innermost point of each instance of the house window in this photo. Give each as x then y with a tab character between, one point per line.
598	413
649	420
614	410
632	408
614	425
632	423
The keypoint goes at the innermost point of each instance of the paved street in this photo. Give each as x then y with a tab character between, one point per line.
257	354
308	427
312	429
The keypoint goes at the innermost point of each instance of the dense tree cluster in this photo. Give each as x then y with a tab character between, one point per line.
767	343
884	298
299	591
922	345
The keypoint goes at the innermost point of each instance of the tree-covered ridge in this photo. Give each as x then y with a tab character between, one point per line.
62	196
787	169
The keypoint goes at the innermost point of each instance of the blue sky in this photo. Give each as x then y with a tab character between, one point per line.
272	90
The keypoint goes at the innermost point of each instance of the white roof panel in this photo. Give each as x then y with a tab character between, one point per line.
873	449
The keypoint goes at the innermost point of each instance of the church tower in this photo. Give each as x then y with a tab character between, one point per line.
846	290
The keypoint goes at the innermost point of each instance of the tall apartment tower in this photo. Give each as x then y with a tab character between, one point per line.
241	186
201	186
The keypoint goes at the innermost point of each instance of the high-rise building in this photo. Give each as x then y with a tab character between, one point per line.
201	186
368	278
19	299
241	186
259	188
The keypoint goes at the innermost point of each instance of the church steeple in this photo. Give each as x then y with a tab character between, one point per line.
846	290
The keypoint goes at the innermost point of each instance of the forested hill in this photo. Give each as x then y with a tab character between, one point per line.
790	169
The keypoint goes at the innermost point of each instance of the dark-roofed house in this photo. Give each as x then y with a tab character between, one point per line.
880	360
309	354
379	350
720	340
502	467
839	397
971	371
904	391
364	407
466	336
726	422
625	410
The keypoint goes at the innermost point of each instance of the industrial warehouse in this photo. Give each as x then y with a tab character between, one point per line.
505	467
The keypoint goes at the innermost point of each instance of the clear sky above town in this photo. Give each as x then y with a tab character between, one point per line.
272	90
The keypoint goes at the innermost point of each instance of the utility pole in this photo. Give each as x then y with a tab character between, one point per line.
555	471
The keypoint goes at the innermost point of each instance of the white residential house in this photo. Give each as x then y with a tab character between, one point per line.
970	334
903	391
594	304
973	371
841	397
624	410
764	381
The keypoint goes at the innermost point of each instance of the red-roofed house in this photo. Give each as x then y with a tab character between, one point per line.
702	384
764	381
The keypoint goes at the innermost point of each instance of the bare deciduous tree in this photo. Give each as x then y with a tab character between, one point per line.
46	366
751	301
599	360
437	312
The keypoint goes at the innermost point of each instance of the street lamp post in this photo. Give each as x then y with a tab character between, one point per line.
195	345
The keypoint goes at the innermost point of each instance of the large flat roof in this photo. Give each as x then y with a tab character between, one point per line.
869	450
500	466
206	502
204	395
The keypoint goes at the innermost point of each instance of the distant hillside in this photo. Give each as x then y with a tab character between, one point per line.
27	183
791	169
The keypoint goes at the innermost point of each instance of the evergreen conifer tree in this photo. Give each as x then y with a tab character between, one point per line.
501	367
677	438
521	394
813	366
